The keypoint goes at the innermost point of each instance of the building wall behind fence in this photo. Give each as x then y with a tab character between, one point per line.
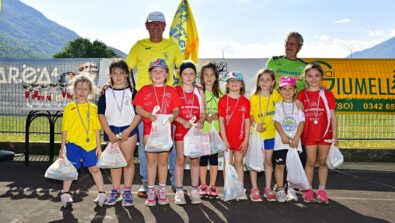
365	116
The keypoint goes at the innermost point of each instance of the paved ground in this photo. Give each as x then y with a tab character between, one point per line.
359	192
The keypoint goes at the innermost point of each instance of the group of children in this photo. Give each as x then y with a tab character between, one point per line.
282	120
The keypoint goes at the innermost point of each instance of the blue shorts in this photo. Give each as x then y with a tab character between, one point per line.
268	144
75	154
116	130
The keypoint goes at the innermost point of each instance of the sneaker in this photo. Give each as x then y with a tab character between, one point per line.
203	191
101	198
291	194
269	195
179	198
162	196
142	192
212	192
308	196
281	196
255	195
127	199
65	198
195	198
150	200
113	198
322	197
242	196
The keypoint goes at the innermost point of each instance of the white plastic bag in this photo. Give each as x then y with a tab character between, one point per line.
216	143
196	143
254	156
335	157
62	169
232	186
159	139
296	175
111	157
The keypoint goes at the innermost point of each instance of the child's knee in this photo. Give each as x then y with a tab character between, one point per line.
322	161
94	170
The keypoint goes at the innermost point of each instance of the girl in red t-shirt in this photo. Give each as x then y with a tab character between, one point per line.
192	101
148	97
320	126
234	122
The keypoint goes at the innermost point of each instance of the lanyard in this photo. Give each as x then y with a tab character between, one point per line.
82	121
285	114
318	103
260	109
186	102
228	117
163	99
123	96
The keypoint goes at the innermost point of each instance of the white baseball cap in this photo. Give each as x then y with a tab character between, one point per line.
156	17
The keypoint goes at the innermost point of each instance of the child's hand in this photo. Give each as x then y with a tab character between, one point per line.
199	125
112	137
152	117
104	87
98	152
294	143
171	119
260	128
186	124
214	116
335	141
125	135
244	146
226	144
285	140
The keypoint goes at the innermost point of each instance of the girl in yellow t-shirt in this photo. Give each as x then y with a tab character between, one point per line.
263	103
81	136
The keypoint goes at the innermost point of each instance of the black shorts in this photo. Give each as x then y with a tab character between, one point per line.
212	159
280	156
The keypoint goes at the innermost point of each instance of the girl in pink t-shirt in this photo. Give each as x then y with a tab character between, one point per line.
234	122
320	125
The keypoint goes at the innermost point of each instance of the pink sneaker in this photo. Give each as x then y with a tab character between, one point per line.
212	192
162	196
151	198
308	196
269	195
255	195
322	197
203	191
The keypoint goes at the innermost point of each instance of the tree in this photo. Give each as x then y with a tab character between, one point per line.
83	48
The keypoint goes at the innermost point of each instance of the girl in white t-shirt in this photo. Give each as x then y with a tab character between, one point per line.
288	121
119	121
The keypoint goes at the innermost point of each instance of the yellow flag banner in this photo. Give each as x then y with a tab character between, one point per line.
360	85
1	1
183	31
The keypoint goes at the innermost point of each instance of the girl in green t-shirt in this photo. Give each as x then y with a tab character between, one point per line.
209	80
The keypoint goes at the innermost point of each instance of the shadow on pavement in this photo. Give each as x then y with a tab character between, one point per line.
23	187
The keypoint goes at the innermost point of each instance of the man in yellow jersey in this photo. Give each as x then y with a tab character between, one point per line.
141	54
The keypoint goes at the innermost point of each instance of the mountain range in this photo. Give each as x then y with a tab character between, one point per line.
384	49
27	33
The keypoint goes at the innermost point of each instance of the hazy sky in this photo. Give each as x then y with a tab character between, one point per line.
241	28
